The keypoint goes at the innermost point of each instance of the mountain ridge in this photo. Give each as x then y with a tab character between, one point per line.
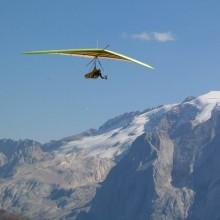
70	177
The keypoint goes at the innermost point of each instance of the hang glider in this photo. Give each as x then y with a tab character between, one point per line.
95	54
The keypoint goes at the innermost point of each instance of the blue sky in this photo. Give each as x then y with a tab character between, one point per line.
47	97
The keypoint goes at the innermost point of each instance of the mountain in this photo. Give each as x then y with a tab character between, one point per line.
162	163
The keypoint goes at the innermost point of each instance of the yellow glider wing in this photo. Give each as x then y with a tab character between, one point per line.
92	53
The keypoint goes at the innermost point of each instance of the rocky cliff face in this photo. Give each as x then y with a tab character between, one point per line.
4	215
162	163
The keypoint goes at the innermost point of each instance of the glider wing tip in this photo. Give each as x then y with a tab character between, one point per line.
27	53
150	67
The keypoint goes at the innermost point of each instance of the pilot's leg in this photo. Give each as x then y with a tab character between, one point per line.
101	76
104	77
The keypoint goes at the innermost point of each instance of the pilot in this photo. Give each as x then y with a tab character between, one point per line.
94	74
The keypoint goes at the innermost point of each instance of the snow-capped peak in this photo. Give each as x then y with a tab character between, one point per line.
116	135
205	103
209	98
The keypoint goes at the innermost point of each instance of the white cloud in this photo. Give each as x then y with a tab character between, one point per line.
141	36
163	37
153	36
